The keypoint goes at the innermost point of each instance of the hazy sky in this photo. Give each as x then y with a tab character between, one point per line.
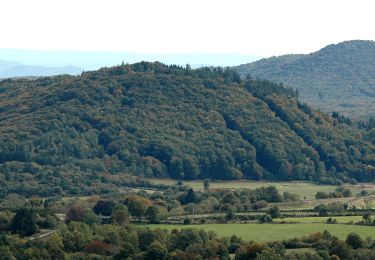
262	28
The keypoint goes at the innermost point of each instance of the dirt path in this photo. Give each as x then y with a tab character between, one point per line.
45	233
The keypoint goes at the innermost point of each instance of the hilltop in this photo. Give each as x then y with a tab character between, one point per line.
154	120
338	77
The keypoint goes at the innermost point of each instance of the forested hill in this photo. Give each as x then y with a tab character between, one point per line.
336	78
153	120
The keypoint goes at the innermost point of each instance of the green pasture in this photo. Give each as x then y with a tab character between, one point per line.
303	189
271	232
339	219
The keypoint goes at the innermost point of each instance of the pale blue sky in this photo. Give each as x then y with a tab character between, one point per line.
256	28
89	60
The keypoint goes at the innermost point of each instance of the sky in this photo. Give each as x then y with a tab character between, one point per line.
258	28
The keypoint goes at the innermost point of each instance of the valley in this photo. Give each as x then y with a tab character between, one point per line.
187	130
141	159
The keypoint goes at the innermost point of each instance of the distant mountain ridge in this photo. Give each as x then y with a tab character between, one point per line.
9	69
7	64
339	77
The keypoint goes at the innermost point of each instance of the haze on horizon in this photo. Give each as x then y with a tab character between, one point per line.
257	28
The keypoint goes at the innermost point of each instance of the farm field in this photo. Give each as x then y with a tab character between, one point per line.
305	190
358	202
339	219
272	232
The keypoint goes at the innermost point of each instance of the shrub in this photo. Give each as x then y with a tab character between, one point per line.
354	240
98	247
265	218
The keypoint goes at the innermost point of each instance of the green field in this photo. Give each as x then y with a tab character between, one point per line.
271	232
304	189
339	219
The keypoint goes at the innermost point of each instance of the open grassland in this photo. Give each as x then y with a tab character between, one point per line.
339	219
271	232
358	202
305	190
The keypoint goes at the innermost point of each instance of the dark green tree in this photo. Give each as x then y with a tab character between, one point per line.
104	208
152	214
274	212
24	222
126	252
341	249
186	237
354	240
120	215
206	184
191	197
229	215
156	251
137	208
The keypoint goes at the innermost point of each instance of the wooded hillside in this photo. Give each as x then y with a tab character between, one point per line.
153	120
336	78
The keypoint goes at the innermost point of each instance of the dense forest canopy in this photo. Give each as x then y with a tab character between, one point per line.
154	120
336	78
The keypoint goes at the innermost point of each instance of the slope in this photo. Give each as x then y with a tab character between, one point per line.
336	78
153	120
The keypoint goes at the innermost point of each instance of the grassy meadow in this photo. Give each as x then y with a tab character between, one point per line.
284	228
271	232
339	219
305	190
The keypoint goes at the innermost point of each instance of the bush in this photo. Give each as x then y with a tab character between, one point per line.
321	195
98	247
229	215
187	221
354	240
260	204
265	218
156	251
341	249
274	212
